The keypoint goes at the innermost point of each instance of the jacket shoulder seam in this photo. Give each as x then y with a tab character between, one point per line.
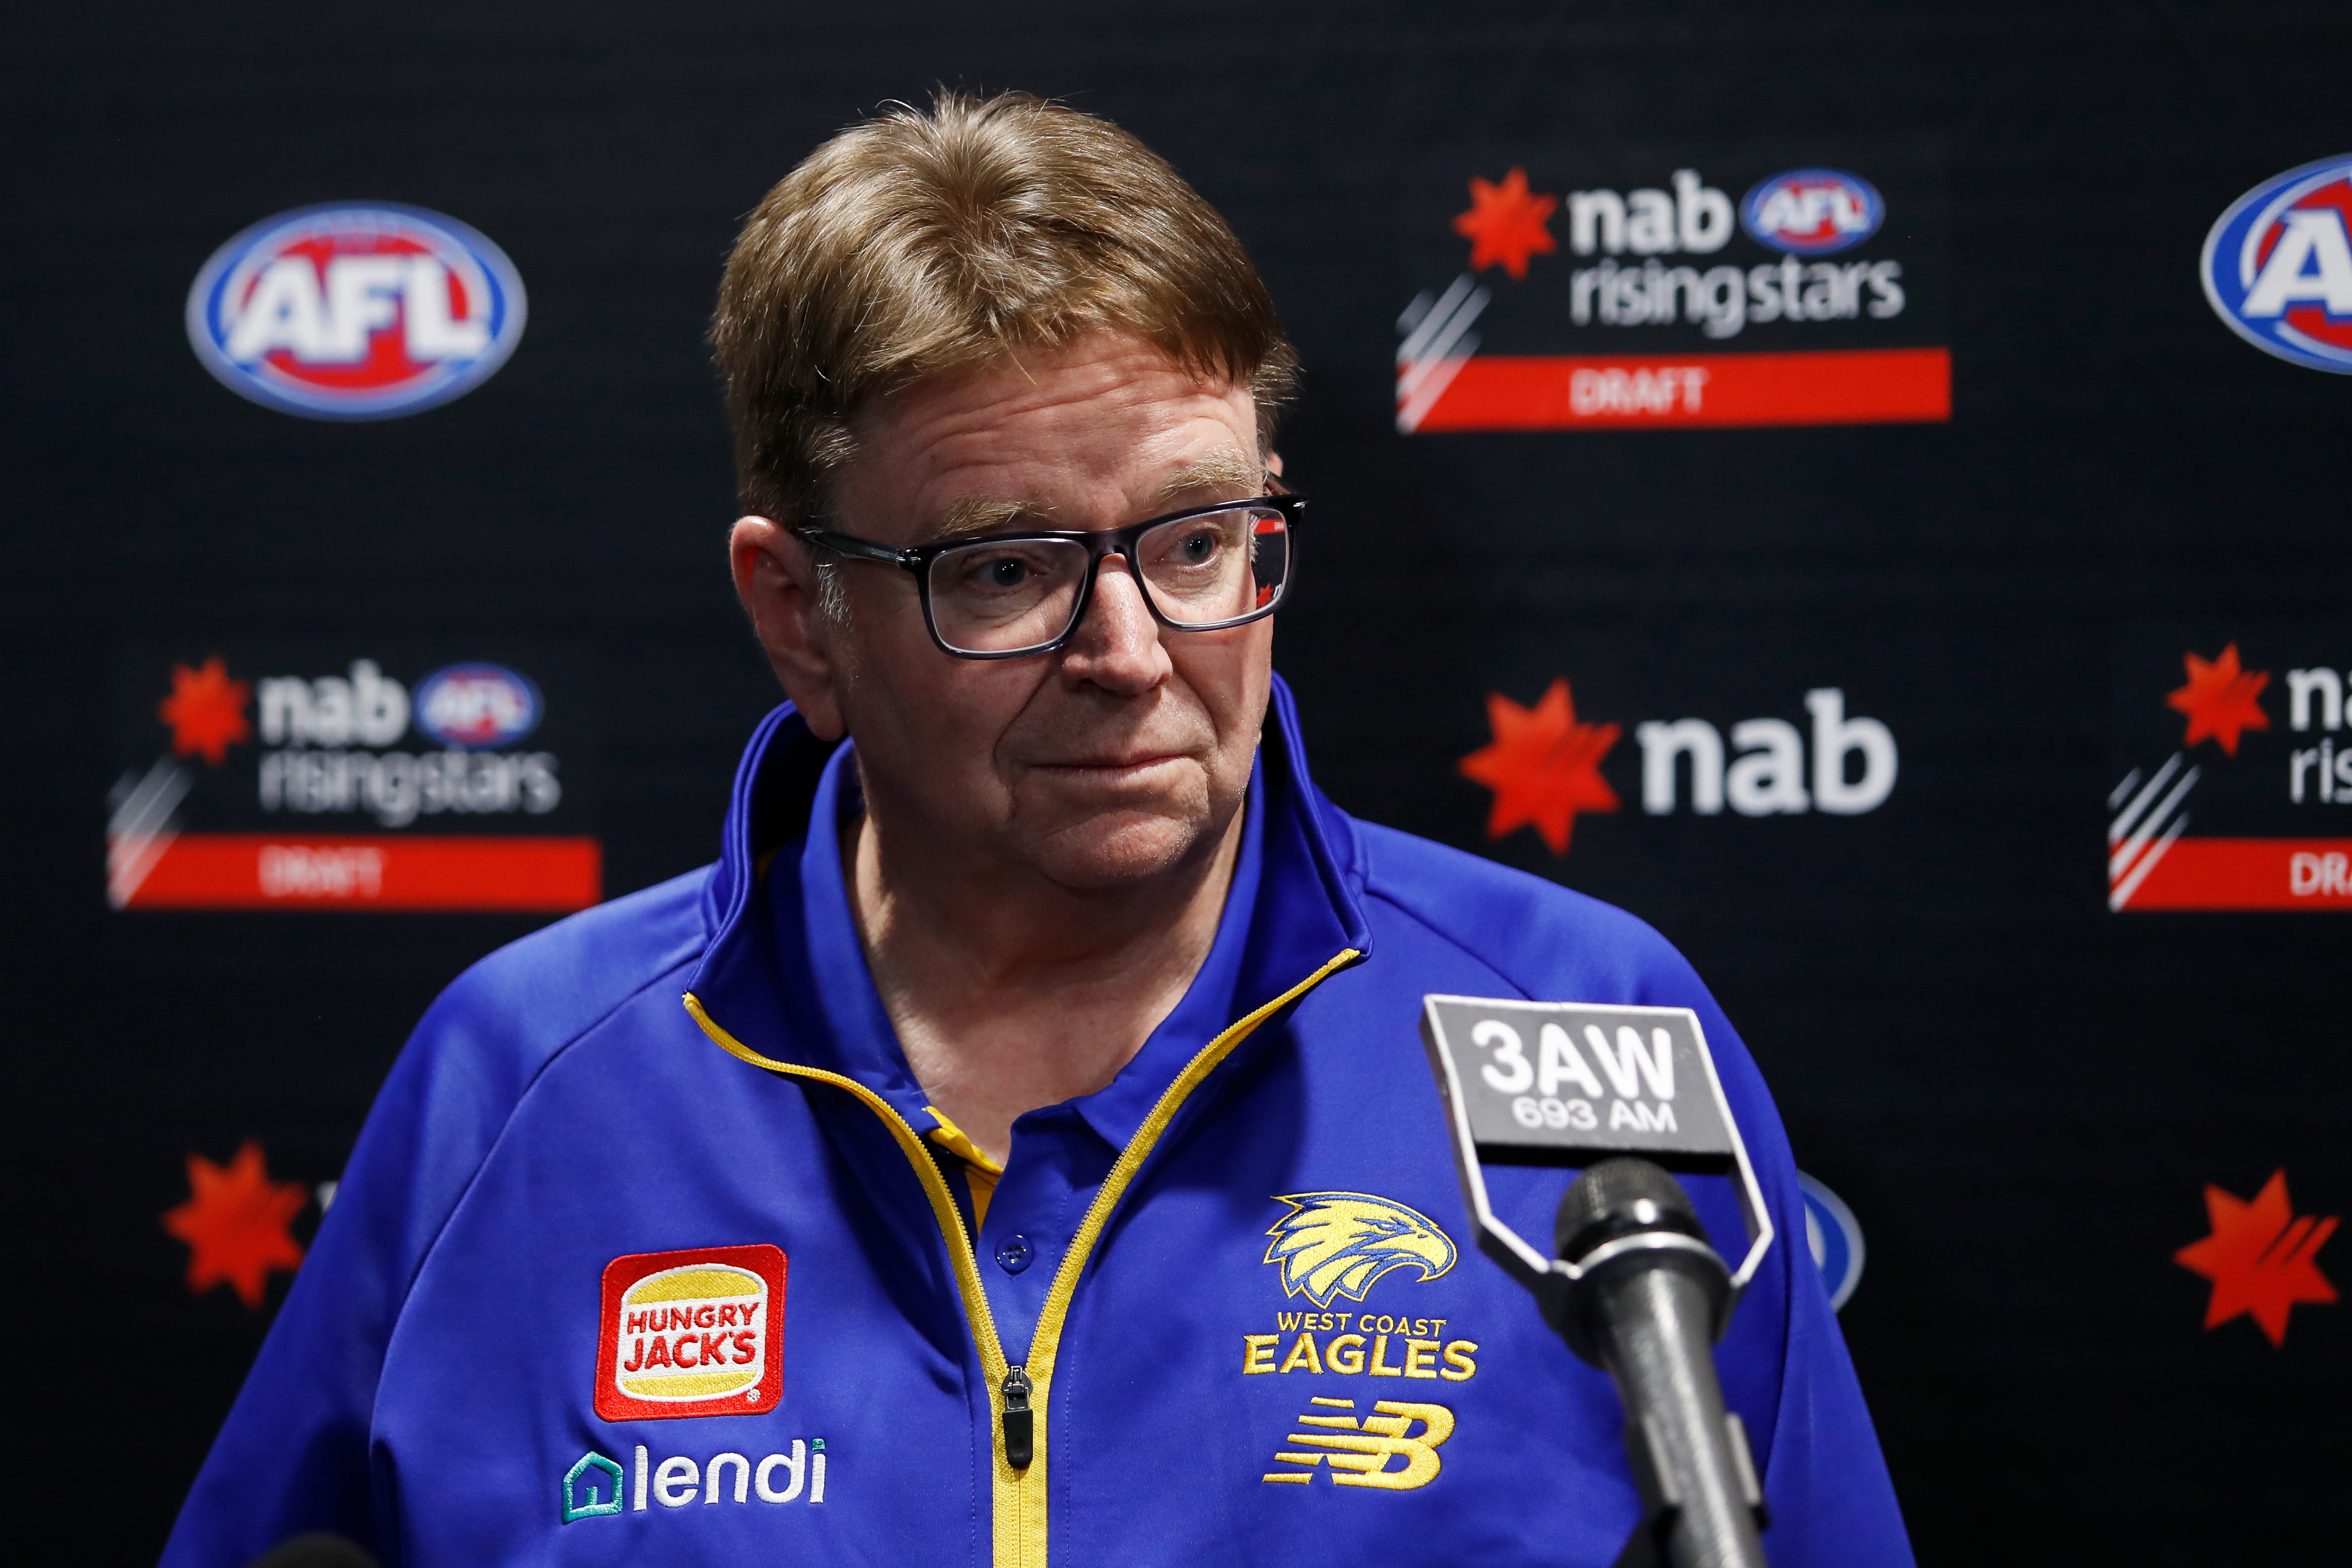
490	1145
1486	960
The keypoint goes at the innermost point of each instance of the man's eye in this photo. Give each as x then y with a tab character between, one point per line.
1004	573
1197	547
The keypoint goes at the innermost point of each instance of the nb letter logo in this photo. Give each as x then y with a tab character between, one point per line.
1358	1452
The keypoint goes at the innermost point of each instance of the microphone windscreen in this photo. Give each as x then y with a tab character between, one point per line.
316	1550
1618	1197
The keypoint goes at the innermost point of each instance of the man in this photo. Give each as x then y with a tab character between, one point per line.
900	1189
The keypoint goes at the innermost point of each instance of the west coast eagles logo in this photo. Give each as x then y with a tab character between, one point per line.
1337	1243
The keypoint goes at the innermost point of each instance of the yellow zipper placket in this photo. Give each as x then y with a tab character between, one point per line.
1020	1495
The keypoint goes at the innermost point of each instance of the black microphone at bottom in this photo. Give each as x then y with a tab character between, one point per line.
1649	1301
315	1549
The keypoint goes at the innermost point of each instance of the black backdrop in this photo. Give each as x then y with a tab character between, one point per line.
2021	1094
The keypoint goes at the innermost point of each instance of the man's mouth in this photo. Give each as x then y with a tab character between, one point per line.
1118	767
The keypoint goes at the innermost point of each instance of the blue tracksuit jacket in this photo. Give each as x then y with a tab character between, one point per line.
652	1251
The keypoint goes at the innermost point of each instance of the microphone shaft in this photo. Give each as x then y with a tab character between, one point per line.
1654	1324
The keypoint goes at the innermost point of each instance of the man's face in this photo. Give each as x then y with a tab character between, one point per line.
1124	754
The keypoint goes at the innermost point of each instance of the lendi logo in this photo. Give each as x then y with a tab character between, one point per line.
593	1487
697	1332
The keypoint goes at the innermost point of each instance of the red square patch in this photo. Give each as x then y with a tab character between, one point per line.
698	1332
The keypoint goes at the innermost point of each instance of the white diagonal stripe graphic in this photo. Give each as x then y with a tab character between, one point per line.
1433	320
2123	824
1442	343
2155	820
150	800
128	862
1433	384
141	829
1437	349
2123	890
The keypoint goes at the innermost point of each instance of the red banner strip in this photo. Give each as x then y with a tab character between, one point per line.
1855	386
2249	874
267	872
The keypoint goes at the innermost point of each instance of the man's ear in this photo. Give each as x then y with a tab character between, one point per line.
775	576
1274	463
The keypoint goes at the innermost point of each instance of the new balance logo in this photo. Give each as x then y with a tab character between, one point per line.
1358	1452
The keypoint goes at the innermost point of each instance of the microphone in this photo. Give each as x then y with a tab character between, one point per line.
1632	1283
315	1549
1646	1300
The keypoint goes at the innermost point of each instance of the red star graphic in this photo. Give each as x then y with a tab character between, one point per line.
234	1223
2260	1258
206	711
2220	699
1544	768
1506	224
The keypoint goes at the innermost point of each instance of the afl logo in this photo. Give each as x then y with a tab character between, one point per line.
1812	212
474	707
355	312
2278	266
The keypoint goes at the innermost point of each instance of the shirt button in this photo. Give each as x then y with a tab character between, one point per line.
1014	1254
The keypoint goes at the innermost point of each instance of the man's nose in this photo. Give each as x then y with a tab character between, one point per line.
1116	644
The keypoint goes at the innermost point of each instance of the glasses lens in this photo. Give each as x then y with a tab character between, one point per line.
993	597
1221	566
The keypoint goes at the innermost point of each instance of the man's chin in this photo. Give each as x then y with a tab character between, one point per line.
1117	849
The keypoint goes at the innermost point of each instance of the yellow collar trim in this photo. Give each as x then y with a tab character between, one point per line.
952	1138
935	1187
1019	1496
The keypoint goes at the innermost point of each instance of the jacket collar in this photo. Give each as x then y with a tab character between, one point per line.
783	971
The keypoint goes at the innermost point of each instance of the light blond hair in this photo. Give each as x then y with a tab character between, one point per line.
922	242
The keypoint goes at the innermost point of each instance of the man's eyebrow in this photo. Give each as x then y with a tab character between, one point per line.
1226	469
982	515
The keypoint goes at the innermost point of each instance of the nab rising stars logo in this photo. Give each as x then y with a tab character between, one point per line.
2277	266
355	312
1337	1243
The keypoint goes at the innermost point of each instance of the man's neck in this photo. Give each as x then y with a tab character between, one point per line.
1009	992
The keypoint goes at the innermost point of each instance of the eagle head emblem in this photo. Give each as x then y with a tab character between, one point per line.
1337	1244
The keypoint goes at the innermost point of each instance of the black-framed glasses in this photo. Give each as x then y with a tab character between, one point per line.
1007	595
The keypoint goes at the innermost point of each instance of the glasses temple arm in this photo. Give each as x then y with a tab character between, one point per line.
850	546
